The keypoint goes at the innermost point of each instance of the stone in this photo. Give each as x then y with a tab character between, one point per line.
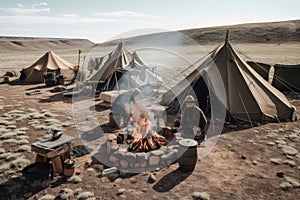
294	183
289	157
285	185
280	142
167	156
244	157
157	153
280	174
90	169
113	159
288	150
154	160
270	143
141	157
65	194
254	162
47	197
275	161
291	163
201	195
85	195
293	137
143	164
133	180
121	191
151	178
124	163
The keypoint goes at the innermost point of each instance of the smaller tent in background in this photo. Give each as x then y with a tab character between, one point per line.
283	77
121	69
49	62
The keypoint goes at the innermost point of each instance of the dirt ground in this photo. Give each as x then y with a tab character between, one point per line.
261	162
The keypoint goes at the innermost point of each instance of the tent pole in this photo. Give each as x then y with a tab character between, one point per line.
79	51
245	109
117	83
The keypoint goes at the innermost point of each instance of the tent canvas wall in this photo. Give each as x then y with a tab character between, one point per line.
282	77
248	96
49	62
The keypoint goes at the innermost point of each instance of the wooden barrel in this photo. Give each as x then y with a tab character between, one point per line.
69	167
188	160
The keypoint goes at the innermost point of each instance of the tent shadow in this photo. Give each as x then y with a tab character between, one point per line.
98	108
55	98
170	180
20	187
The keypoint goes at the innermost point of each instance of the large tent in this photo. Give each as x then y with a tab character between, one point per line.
227	78
49	62
121	63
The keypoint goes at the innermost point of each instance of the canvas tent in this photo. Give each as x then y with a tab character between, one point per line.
121	63
248	97
282	77
49	62
286	77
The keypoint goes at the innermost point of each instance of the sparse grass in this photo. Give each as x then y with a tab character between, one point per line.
48	114
11	140
47	197
23	129
22	141
34	122
21	118
12	156
85	195
23	148
4	155
11	126
8	135
3	130
2	150
40	127
4	167
77	191
31	110
22	137
65	194
20	133
74	179
52	121
4	122
19	163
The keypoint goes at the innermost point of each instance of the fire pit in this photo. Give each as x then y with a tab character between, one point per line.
152	141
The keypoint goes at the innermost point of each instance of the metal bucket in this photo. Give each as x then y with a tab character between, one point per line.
188	160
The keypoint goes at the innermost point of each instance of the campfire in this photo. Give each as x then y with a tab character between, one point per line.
145	138
151	141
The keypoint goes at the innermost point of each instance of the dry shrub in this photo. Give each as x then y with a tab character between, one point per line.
8	135
85	195
74	179
23	148
47	197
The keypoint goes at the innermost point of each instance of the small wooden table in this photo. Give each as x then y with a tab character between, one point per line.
57	150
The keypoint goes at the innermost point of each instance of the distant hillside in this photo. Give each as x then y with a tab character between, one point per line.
16	44
269	32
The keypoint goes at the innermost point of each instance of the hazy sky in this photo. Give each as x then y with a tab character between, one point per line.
101	20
